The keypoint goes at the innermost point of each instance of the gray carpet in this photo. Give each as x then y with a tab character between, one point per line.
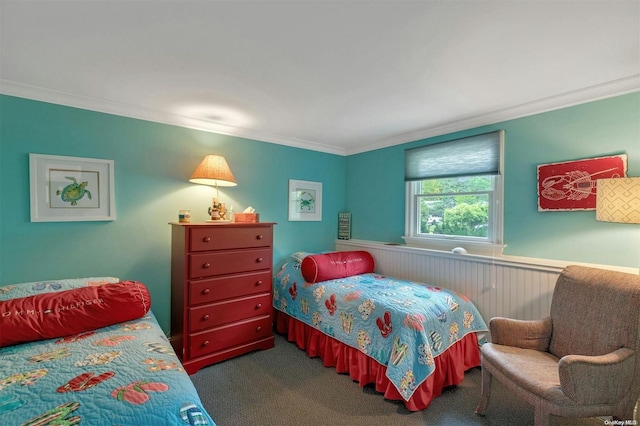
283	386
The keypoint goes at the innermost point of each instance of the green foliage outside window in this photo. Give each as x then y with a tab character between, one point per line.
455	206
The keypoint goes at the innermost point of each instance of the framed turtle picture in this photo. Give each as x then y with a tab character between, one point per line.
70	189
305	200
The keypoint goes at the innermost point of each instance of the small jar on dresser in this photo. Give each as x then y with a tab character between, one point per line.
221	279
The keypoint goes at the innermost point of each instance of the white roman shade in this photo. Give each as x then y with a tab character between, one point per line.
470	156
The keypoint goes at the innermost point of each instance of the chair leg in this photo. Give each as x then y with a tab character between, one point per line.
625	411
485	392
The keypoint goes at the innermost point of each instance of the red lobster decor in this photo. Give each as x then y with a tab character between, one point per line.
572	185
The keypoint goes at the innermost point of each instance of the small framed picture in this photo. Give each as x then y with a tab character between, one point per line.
344	226
305	200
70	188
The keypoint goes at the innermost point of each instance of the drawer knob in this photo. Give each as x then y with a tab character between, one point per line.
259	236
206	291
258	283
205	343
259	305
205	318
259	260
206	265
258	328
206	239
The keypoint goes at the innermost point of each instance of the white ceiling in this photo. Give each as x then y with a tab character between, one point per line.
334	76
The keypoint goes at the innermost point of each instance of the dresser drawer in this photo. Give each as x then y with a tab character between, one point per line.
227	287
224	238
228	262
220	313
226	337
221	291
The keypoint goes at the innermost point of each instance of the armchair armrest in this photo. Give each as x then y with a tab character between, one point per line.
534	334
603	379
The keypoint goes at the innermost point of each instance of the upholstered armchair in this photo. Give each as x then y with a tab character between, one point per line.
581	361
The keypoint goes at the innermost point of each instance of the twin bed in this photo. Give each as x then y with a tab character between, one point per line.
408	339
89	351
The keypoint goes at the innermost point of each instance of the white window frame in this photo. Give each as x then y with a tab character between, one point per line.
490	246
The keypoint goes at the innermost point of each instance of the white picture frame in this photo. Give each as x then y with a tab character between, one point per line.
67	189
305	200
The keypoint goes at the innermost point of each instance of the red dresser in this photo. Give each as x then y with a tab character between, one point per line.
220	291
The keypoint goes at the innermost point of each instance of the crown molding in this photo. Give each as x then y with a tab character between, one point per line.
12	88
597	92
589	94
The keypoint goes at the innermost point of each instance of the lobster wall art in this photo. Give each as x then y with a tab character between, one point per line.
572	185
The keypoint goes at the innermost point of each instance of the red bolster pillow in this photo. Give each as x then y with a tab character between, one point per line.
340	264
64	313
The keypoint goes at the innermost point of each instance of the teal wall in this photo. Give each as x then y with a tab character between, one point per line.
152	165
153	162
375	186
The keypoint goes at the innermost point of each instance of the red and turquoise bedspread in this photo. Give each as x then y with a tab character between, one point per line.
403	325
123	374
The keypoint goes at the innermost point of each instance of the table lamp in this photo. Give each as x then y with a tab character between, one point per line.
618	200
214	171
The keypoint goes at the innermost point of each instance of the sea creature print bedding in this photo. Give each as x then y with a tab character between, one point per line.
403	325
125	373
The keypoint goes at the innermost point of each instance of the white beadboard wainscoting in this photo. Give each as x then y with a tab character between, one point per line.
506	286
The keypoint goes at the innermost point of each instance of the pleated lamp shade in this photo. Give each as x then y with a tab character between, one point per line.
214	171
618	200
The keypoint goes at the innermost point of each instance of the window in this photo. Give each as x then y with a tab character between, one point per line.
454	194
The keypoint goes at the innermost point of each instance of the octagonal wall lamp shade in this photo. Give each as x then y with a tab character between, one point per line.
618	200
214	171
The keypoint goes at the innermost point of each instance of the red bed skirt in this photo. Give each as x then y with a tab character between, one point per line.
450	366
